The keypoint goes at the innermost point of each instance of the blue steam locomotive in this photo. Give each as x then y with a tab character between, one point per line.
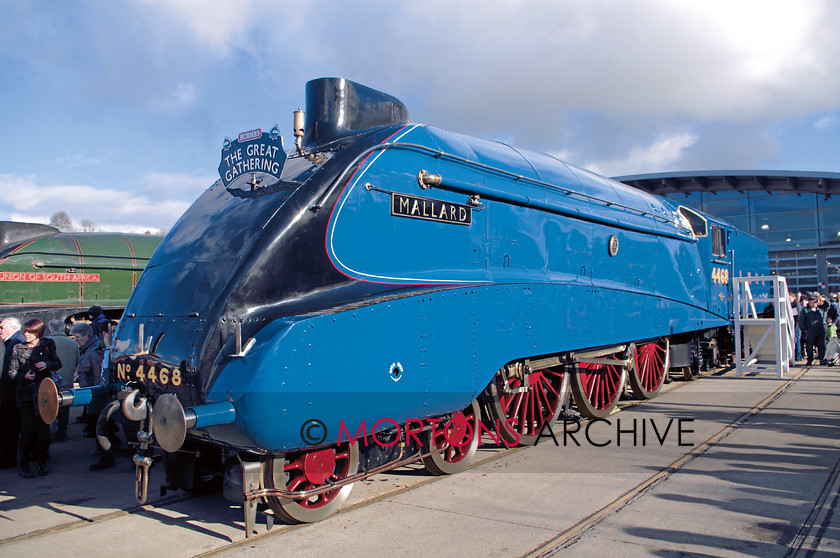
385	291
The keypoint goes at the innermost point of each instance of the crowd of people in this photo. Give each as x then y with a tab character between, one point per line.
816	319
29	357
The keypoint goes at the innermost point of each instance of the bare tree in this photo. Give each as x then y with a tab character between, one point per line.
61	221
89	226
162	232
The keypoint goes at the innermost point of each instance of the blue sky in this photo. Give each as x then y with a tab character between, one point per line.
116	111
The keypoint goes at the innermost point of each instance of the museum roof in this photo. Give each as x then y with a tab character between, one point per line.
735	180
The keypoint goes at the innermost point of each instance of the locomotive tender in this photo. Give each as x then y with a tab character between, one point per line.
385	290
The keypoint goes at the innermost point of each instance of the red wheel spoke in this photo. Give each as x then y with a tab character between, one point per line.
454	448
294	484
294	465
542	405
596	388
651	360
532	408
550	388
532	412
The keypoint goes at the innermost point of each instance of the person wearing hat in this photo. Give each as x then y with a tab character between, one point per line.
813	326
98	321
822	302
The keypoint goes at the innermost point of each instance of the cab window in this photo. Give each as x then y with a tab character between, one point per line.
715	241
696	222
718	235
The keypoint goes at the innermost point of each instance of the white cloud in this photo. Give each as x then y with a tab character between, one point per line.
182	186
78	160
214	23
623	87
182	96
516	69
662	154
157	204
827	122
713	59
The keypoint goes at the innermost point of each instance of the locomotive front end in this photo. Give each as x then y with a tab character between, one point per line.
185	364
245	257
176	324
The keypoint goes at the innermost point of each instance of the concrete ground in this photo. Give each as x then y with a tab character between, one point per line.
723	466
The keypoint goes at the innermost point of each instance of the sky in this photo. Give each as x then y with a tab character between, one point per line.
116	112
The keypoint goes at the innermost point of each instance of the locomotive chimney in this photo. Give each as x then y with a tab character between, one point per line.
337	107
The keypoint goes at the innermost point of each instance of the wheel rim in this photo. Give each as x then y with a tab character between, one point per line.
526	413
650	366
460	439
597	388
308	469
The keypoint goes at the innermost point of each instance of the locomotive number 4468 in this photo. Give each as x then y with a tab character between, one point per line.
158	376
720	275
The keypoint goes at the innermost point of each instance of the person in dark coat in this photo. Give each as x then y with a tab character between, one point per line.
98	321
9	416
813	325
31	363
796	311
89	373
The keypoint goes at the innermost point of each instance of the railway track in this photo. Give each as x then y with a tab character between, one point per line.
573	534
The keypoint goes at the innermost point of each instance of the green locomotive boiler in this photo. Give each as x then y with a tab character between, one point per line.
48	274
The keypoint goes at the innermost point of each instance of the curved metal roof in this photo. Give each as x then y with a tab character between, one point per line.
735	181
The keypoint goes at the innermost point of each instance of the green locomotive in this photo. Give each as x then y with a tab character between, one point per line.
48	274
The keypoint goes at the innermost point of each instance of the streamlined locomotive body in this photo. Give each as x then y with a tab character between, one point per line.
385	290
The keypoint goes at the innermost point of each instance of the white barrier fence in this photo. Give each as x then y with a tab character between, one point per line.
763	343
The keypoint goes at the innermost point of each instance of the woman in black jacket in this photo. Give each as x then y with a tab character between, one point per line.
32	362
